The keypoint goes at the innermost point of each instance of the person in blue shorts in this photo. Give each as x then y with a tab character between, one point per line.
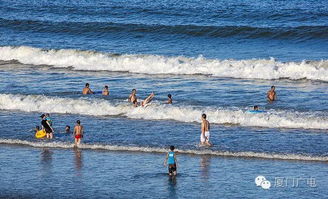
171	162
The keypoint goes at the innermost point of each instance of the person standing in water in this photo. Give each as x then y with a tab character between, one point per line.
171	162
105	90
78	132
271	95
205	131
86	90
133	98
47	127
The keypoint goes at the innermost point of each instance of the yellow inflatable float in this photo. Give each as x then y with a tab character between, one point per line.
40	134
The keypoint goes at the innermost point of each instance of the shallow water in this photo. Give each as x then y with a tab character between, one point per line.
98	174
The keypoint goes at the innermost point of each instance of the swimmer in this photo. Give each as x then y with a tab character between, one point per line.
67	129
86	90
255	108
105	90
205	132
147	100
47	127
78	132
37	128
171	161
271	95
169	100
133	98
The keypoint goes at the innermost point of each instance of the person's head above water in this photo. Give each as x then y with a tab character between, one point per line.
204	116
273	87
42	116
67	127
169	96
106	87
37	127
172	148
78	122
47	115
87	85
256	108
134	90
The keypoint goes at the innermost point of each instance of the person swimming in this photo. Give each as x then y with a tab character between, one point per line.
147	100
37	128
67	129
133	98
105	90
171	162
169	100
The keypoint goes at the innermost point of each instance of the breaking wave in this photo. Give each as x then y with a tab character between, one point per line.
181	113
245	154
155	64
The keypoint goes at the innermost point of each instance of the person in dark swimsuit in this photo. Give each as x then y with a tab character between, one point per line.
47	127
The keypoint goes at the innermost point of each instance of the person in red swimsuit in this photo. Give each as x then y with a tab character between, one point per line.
78	132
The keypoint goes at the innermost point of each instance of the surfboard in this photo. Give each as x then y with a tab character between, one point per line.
40	134
255	111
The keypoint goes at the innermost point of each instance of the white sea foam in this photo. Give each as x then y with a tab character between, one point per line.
66	145
101	107
153	64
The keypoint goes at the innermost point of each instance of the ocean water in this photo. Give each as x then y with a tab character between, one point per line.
214	57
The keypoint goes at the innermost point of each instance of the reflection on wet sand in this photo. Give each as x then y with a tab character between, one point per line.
172	182
78	160
205	161
46	161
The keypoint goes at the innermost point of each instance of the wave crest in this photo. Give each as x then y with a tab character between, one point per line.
216	115
245	154
154	64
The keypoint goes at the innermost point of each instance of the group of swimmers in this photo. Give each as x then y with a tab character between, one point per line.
46	123
170	160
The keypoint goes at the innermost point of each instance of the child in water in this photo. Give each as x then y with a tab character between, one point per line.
37	128
171	161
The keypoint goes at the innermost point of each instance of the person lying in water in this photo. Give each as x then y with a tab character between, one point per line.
133	98
147	100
